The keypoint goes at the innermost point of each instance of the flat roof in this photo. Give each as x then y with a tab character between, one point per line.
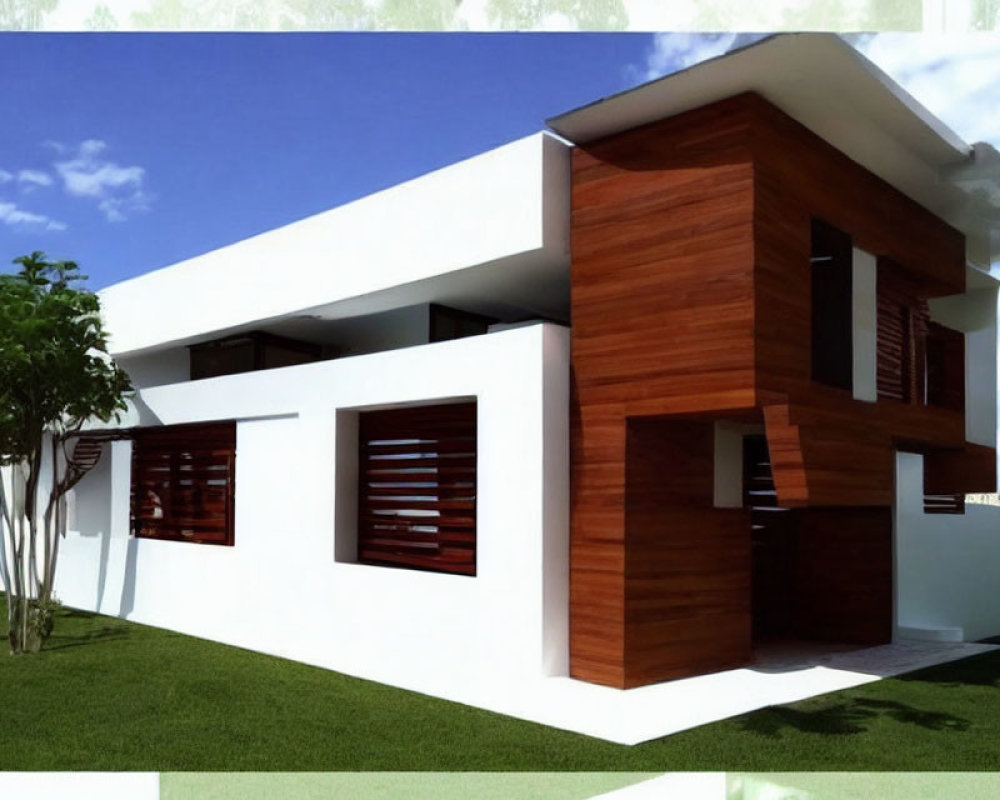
824	83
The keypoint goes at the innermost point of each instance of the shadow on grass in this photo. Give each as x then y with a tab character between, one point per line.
76	613
847	718
107	633
981	670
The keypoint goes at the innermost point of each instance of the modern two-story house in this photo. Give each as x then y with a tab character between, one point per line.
712	365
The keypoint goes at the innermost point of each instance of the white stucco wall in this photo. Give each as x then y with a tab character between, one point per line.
945	563
281	590
864	323
508	204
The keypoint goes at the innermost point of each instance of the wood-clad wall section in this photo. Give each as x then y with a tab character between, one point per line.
692	297
687	564
838	451
662	309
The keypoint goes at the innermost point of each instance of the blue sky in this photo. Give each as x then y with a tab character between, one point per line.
127	152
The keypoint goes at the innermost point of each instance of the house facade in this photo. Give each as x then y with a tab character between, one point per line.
712	367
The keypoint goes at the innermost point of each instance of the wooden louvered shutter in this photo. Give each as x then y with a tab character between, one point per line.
183	482
944	503
417	504
903	318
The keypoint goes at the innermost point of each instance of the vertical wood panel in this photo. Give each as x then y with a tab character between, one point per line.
687	568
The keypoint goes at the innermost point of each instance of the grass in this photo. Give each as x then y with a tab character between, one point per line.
112	695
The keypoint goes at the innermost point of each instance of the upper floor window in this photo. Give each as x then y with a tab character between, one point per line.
832	325
449	323
250	351
902	327
183	482
919	361
945	360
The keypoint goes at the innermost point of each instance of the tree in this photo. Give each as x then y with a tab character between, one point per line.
55	375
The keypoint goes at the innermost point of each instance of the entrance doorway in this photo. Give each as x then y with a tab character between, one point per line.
773	533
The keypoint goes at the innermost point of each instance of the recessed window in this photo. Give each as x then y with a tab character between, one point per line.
945	358
417	488
450	323
183	482
832	326
247	352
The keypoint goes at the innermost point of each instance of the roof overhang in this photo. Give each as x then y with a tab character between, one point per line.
828	86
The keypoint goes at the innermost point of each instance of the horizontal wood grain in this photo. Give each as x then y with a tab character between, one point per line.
417	492
692	301
183	482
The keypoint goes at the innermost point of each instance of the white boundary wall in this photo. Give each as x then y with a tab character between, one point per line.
279	589
946	585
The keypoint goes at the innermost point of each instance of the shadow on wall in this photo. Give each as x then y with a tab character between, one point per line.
128	581
116	553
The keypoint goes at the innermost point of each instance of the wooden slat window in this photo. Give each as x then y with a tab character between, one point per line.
903	320
944	503
183	482
417	503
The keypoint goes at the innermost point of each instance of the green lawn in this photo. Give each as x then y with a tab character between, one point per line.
112	695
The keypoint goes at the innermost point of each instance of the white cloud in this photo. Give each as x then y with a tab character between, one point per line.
34	177
956	77
11	215
5	176
675	51
118	190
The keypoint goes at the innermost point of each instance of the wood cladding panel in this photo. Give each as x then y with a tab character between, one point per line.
843	574
971	469
691	298
687	573
800	178
662	307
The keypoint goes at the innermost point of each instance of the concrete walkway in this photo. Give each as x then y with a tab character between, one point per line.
783	675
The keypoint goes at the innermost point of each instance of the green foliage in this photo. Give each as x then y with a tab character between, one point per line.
55	375
55	372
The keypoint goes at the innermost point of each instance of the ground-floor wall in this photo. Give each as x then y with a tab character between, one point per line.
286	587
946	564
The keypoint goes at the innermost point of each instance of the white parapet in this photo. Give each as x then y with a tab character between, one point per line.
510	204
